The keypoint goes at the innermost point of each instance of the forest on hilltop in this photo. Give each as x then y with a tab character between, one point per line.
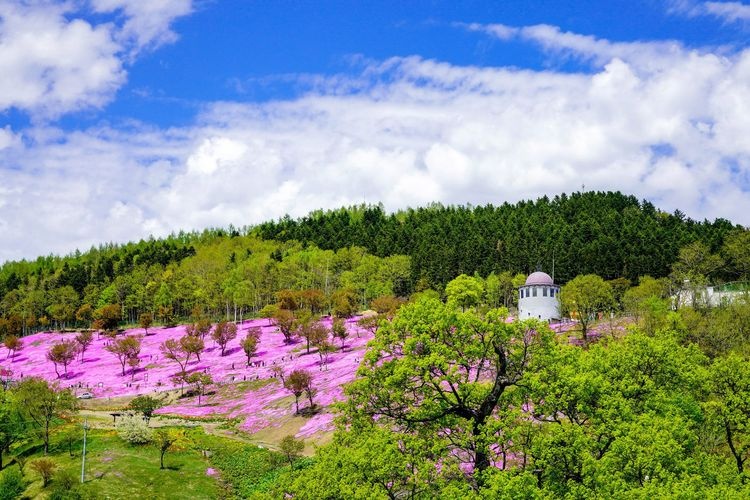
358	250
604	233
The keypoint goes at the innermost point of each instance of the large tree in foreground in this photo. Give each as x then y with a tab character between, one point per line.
13	427
436	371
42	403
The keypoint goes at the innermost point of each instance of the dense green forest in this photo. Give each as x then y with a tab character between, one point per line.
608	234
368	253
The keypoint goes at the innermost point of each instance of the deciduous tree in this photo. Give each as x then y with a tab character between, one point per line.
169	440
13	344
41	403
586	295
199	381
125	349
291	448
145	320
435	370
63	353
13	427
107	317
250	343
84	339
464	291
145	404
286	323
340	331
299	382
224	332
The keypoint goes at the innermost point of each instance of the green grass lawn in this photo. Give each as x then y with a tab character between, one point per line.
115	469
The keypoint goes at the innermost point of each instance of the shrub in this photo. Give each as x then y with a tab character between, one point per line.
291	448
12	484
134	430
65	487
145	405
45	467
65	480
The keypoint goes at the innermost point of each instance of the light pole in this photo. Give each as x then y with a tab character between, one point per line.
83	455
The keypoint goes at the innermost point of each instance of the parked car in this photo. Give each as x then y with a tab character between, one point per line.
85	395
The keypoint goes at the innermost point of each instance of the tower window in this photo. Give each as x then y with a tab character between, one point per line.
544	291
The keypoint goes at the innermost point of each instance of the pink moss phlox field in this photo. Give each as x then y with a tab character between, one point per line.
251	394
100	373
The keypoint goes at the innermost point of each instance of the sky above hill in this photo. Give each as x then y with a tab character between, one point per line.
120	119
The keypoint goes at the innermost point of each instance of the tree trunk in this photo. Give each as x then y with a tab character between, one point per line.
737	456
46	437
161	459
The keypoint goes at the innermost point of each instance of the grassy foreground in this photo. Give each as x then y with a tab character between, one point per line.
116	469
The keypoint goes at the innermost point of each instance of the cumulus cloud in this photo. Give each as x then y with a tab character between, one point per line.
54	61
407	131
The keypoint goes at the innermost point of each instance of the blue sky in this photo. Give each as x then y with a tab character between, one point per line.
123	118
251	51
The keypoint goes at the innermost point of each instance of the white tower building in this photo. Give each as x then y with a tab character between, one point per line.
539	298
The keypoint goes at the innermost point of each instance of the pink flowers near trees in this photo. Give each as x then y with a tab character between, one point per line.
300	382
13	344
62	353
192	345
126	348
181	350
339	331
199	329
145	321
286	323
223	333
84	340
250	343
199	381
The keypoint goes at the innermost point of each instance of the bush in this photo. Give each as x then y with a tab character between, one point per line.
45	467
134	430
145	405
66	487
12	484
60	494
65	480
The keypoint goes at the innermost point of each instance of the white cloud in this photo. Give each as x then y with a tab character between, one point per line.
647	55
671	128
148	22
54	61
729	12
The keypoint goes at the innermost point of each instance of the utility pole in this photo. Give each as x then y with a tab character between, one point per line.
83	455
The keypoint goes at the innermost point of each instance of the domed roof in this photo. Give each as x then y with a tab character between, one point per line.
539	278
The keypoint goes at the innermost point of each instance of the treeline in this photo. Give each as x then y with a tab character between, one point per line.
215	274
232	273
604	233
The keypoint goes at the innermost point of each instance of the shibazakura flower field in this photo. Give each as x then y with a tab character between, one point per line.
253	394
